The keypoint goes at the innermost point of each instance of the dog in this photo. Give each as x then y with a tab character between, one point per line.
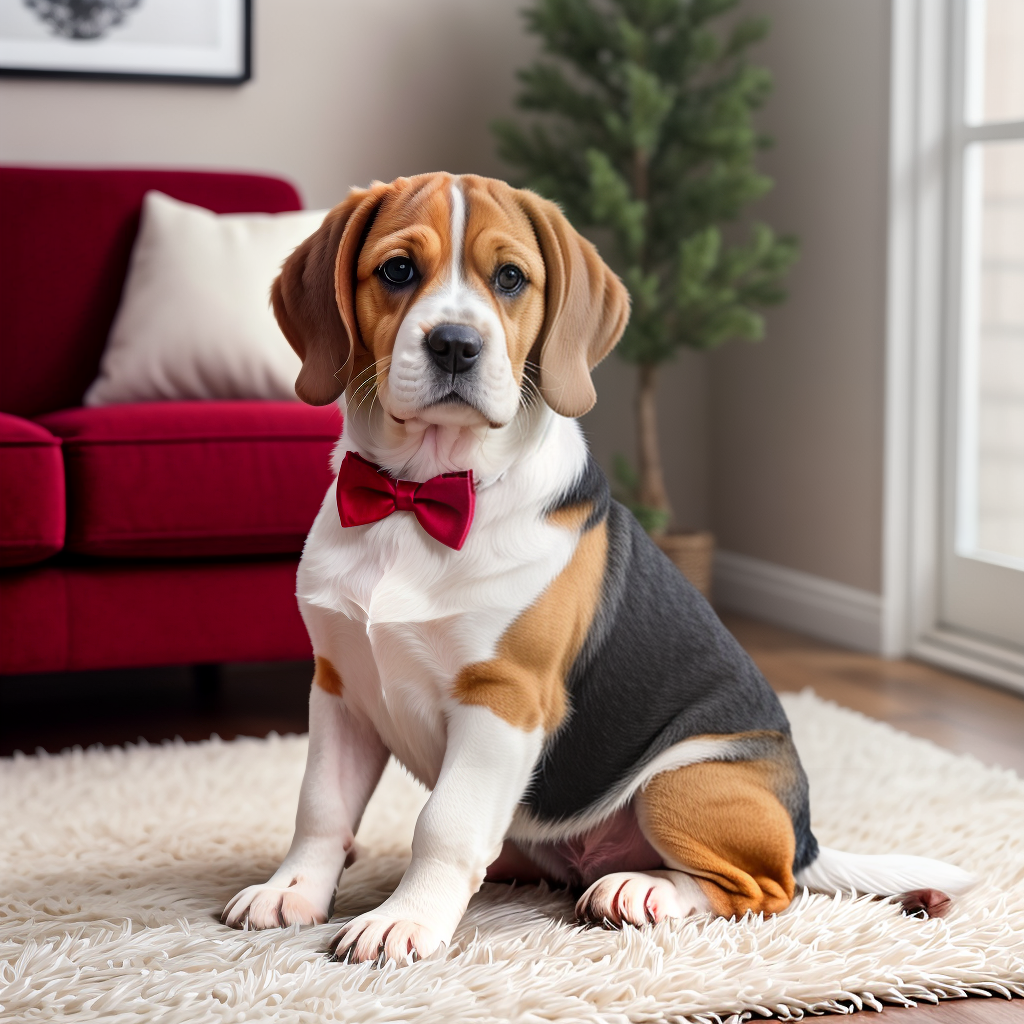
480	607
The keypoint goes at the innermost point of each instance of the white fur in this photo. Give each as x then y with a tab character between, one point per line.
343	766
642	897
487	766
881	874
399	614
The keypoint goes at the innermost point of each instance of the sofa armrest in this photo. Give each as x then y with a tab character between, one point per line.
32	502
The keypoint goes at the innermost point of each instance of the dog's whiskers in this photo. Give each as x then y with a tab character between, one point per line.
529	393
370	381
360	397
369	392
369	384
372	370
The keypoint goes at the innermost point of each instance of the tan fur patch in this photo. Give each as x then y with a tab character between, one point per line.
722	822
326	676
499	232
571	517
414	222
525	683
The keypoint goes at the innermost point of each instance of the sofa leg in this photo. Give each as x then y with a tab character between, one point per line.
206	682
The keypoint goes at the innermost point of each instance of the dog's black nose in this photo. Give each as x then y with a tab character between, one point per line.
454	347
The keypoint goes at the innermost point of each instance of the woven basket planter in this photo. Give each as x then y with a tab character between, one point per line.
694	554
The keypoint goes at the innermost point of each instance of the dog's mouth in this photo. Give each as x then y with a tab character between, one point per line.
458	400
454	398
453	408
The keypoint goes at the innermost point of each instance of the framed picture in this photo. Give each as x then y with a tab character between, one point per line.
177	40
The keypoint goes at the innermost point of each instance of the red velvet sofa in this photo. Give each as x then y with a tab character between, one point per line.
149	534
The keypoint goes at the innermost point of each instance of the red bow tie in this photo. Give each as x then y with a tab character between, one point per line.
443	505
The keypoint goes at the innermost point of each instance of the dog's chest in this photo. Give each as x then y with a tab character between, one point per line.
399	616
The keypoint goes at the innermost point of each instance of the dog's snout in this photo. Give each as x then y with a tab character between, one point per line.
454	347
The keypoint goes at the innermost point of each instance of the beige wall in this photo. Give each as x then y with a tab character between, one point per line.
683	423
342	92
796	423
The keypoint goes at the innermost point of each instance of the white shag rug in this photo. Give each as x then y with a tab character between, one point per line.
115	863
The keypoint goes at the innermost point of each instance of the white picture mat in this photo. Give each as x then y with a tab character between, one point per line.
160	37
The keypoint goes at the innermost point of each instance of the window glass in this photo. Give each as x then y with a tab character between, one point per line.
1004	60
994	464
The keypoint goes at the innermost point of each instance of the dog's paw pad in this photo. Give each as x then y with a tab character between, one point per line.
379	938
266	906
629	897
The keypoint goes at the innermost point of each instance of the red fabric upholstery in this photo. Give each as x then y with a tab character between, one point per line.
31	492
33	621
171	479
193	479
61	618
67	235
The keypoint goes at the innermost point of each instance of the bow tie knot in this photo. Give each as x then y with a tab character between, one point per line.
405	495
443	505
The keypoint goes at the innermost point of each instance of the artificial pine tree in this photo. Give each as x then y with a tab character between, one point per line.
646	131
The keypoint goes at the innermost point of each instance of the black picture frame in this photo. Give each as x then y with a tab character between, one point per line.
241	72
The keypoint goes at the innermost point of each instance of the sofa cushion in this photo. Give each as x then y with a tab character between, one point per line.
31	492
194	479
195	318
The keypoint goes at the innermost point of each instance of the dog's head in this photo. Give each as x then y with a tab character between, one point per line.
444	293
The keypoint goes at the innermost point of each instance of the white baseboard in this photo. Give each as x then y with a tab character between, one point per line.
799	601
970	656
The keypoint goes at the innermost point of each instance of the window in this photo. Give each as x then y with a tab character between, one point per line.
955	526
983	532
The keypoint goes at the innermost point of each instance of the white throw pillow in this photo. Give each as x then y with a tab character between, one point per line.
195	318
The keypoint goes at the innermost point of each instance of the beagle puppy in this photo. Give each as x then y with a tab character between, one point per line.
480	608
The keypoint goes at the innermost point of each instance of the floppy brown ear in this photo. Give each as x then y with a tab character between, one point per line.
314	296
586	309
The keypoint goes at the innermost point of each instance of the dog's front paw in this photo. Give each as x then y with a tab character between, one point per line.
270	906
380	937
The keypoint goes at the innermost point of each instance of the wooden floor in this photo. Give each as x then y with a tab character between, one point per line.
54	712
957	713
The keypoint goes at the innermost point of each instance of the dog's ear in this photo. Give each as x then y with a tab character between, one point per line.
314	296
586	309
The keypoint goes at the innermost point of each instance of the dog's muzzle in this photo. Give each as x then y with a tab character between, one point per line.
455	348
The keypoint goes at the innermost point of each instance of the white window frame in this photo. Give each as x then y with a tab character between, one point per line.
925	223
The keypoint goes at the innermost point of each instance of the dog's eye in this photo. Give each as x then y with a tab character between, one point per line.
509	278
398	270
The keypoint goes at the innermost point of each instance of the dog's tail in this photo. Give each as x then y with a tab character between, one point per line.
920	883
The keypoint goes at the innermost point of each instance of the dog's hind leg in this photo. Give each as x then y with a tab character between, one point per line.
721	824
